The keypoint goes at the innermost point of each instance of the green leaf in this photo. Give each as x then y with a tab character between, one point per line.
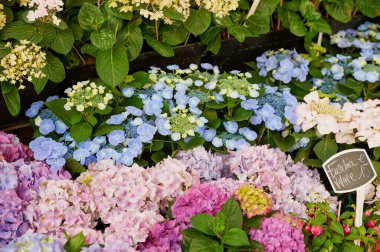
11	97
337	227
336	238
162	48
54	69
376	153
319	220
114	11
77	31
68	117
173	14
321	25
63	41
4	50
112	65
258	24
313	162
205	245
158	156
194	233
297	28
103	39
340	10
194	142
370	8
74	167
174	35
238	31
19	30
39	84
376	165
203	222
214	45
232	213
306	7
198	21
239	115
49	33
284	143
235	237
81	131
134	41
104	129
318	241
267	7
351	247
75	243
90	50
215	105
325	149
90	17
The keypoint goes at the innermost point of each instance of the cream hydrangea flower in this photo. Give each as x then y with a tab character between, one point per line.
3	17
85	95
220	8
45	9
24	62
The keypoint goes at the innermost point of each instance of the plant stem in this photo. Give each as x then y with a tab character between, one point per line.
157	36
80	56
253	8
278	16
187	38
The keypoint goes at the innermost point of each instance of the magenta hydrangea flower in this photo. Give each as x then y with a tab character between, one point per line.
278	235
201	198
165	236
11	149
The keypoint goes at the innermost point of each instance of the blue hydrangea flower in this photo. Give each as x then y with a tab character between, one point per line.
146	132
60	127
209	135
34	109
51	98
172	67
116	137
46	126
248	133
80	155
249	104
128	92
117	119
231	126
134	111
51	151
217	142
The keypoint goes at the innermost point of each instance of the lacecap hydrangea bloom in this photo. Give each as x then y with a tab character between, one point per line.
283	65
278	235
44	9
33	243
348	121
25	61
85	95
220	8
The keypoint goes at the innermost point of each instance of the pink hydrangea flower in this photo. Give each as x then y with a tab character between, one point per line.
278	235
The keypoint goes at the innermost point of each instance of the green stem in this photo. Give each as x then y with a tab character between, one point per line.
261	135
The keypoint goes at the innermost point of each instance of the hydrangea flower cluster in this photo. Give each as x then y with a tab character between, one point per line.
349	122
278	235
283	65
3	17
34	242
202	198
272	107
154	10
365	70
85	95
19	184
45	9
165	236
129	202
220	8
25	61
11	149
366	38
290	185
253	201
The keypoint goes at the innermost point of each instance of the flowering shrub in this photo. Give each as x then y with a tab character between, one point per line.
20	178
182	107
24	61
